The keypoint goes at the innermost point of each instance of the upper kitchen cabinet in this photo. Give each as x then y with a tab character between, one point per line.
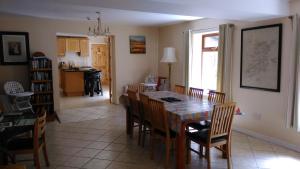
84	47
61	46
78	45
73	45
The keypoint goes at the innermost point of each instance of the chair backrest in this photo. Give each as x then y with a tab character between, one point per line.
221	120
145	108
13	87
40	128
159	116
195	92
159	82
216	97
136	87
133	102
180	89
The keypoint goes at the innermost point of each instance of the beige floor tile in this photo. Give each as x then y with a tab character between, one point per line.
87	152
115	147
98	145
108	155
97	164
76	162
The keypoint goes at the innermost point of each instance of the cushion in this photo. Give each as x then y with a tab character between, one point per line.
202	136
199	125
20	144
163	134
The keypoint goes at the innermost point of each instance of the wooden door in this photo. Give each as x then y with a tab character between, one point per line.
100	60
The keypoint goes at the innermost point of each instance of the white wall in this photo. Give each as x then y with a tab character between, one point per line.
42	35
264	111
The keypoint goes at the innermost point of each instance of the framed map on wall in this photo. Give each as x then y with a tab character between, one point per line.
261	57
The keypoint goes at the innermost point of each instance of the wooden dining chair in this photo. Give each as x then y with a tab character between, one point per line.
32	145
180	89
218	134
160	128
136	87
196	92
135	114
216	97
145	116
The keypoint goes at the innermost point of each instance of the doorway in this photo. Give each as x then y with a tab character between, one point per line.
100	51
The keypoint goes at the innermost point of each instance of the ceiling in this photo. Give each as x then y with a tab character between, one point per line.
148	12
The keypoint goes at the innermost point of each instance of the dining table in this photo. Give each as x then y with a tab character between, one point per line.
182	110
12	123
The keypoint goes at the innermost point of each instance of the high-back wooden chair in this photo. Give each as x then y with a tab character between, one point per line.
216	97
160	127
146	115
180	89
218	134
136	87
196	92
135	115
32	145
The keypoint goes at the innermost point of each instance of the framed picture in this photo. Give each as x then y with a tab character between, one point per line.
261	57
137	44
14	48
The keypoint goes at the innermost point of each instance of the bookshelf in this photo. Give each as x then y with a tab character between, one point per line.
40	68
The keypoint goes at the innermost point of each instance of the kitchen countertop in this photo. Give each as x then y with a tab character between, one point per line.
76	70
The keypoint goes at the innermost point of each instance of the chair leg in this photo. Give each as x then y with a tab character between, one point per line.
168	143
228	153
152	144
188	151
144	135
36	159
140	133
46	155
207	152
131	127
201	151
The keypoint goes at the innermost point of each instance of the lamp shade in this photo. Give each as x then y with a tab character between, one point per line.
169	55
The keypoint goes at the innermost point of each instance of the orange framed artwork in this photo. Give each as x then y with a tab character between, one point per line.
137	44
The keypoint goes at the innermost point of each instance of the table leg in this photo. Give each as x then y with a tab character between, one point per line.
180	147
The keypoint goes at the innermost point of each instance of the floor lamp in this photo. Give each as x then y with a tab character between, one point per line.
169	57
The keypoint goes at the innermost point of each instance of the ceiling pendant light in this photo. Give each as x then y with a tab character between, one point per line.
98	29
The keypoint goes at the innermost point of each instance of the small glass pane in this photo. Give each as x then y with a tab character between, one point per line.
211	42
210	67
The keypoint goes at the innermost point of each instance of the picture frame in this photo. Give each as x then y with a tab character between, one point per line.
14	48
137	44
261	57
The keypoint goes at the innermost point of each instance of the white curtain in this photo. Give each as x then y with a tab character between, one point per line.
224	75
187	49
293	110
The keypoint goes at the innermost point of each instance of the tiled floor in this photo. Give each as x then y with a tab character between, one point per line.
103	144
84	101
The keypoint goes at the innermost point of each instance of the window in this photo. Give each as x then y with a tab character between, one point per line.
204	60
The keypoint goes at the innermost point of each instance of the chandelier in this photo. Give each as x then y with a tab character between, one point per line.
98	29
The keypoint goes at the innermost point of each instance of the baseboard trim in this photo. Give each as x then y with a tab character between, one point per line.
272	140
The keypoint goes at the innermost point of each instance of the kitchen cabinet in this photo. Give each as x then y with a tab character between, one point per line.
72	83
79	45
84	47
61	46
73	45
